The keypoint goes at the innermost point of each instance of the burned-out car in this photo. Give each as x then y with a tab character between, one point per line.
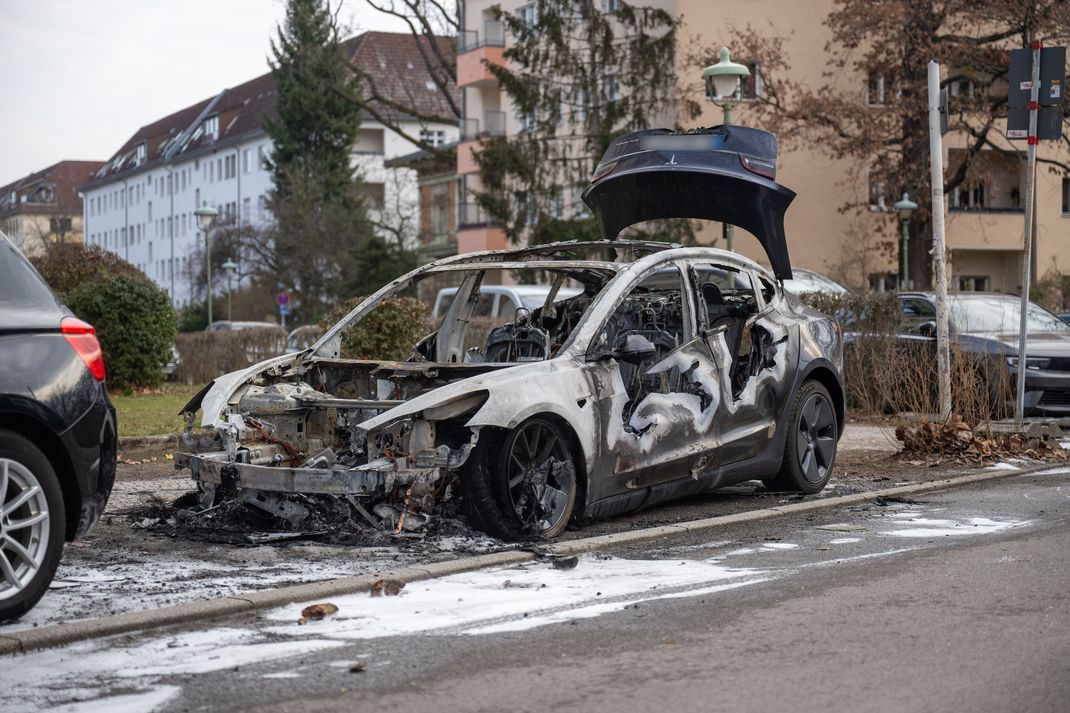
674	370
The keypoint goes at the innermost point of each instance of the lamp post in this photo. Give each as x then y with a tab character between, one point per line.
904	208
205	215
230	266
722	82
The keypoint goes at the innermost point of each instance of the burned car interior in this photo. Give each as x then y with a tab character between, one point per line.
671	370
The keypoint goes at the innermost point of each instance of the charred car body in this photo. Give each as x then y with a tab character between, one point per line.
676	370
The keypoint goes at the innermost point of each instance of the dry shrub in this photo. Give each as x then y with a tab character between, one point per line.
388	332
202	356
886	373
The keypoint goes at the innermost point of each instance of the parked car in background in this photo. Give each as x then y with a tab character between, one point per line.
805	281
222	325
57	432
984	326
262	339
502	301
302	338
1065	316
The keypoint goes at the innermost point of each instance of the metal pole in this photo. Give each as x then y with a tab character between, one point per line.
936	167
1027	243
728	231
230	318
904	255
208	268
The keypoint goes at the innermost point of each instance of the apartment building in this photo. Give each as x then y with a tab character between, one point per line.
140	203
44	207
985	217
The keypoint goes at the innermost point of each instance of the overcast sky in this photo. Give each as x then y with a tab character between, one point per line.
79	78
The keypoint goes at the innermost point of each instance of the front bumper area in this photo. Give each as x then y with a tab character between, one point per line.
377	477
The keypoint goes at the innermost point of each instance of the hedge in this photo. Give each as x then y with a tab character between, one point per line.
135	324
388	332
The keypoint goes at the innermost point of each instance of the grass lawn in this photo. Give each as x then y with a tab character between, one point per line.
152	412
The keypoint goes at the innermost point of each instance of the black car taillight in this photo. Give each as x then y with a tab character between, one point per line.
83	338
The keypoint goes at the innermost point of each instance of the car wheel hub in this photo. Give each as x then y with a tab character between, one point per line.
817	437
24	527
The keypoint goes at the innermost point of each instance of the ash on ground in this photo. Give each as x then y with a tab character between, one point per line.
339	520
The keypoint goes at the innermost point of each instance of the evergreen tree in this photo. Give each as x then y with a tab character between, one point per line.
320	216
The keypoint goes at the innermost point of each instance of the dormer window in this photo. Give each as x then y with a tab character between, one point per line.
211	127
140	153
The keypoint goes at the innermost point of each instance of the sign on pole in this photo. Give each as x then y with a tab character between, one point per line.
283	298
1035	98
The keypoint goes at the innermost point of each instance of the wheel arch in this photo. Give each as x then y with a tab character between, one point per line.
823	373
51	446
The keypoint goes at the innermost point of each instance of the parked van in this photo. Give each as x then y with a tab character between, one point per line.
502	301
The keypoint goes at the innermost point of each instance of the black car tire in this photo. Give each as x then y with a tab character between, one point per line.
21	451
810	448
490	500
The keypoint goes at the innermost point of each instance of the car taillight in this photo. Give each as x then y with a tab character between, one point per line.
83	338
762	168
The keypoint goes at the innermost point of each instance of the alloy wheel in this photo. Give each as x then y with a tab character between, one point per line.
815	444
24	527
540	474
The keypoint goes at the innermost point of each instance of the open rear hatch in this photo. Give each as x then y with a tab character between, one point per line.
724	173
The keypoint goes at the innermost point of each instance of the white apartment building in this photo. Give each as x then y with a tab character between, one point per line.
140	204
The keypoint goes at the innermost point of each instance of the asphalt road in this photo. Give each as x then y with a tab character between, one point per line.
958	602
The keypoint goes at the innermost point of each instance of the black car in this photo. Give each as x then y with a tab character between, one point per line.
57	432
985	326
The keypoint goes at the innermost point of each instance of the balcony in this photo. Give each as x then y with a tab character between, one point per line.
475	54
472	137
477	231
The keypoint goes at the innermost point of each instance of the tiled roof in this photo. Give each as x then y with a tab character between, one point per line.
392	61
394	64
60	182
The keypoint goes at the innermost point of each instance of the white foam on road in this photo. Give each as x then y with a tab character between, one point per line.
845	540
516	598
916	526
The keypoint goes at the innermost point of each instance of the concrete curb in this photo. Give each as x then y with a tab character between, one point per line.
28	640
127	443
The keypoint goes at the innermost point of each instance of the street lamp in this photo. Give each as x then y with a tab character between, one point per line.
722	84
904	208
205	215
230	266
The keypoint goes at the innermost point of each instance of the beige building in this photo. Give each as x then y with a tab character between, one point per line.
985	216
45	207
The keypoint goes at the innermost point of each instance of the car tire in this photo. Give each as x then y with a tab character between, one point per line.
511	494
30	545
810	448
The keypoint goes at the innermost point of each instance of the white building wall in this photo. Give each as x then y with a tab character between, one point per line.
148	219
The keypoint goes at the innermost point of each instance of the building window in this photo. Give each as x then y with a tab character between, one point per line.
59	225
875	90
611	88
261	207
610	5
262	156
246	209
878	196
374	195
433	137
1066	196
211	127
973	283
751	87
884	281
246	160
528	15
139	153
440	205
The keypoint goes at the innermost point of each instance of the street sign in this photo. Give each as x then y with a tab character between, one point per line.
1050	95
284	309
283	298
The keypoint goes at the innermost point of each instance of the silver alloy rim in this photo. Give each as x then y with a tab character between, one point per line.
816	442
539	485
24	527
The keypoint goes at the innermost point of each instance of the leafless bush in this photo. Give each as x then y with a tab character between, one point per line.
205	355
886	373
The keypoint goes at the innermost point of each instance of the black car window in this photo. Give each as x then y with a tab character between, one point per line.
21	287
913	313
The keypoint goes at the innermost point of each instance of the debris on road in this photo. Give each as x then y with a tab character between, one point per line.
566	563
387	587
841	527
358	667
317	611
